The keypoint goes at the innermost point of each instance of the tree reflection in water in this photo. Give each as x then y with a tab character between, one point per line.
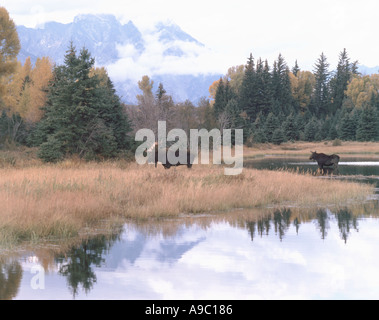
10	279
78	263
346	221
281	220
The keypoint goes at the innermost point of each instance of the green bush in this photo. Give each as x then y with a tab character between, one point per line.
51	151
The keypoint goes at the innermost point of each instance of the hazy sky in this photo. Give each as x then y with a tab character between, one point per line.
232	29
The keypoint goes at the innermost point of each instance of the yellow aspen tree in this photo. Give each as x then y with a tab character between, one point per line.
41	75
361	89
9	46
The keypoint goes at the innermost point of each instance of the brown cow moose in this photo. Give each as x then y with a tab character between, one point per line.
324	160
189	159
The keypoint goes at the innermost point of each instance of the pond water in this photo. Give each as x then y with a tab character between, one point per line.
361	169
323	253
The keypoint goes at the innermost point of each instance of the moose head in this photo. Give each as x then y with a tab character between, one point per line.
313	155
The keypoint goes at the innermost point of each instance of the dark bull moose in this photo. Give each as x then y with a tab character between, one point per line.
324	160
189	160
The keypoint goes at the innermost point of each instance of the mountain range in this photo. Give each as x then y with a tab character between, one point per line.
164	53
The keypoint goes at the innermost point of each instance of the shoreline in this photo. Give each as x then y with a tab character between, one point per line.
59	201
52	202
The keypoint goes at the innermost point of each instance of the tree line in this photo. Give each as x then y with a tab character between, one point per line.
73	109
278	104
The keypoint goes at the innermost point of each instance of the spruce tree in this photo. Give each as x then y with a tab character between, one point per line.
320	98
263	95
219	104
258	129
82	116
368	125
295	69
311	130
224	94
290	130
339	83
324	128
348	126
281	87
271	125
278	136
247	96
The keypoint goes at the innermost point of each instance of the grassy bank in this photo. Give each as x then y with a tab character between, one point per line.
45	201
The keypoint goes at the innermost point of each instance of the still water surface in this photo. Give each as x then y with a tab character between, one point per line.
325	253
360	169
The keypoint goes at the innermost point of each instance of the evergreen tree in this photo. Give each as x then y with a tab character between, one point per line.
345	70
290	129
247	96
263	93
258	129
224	94
348	126
368	125
295	69
333	134
82	116
320	99
271	125
233	112
219	104
311	130
281	87
278	136
325	128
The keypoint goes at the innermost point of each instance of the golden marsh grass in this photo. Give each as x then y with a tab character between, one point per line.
58	201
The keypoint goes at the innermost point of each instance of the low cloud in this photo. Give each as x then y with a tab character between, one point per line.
168	58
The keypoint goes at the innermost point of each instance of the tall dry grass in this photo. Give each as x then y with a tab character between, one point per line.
61	200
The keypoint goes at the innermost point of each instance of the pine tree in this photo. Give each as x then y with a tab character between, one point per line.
82	116
339	83
348	126
290	129
224	94
368	125
311	130
219	104
295	69
281	87
263	94
320	99
271	125
247	96
278	136
325	128
333	134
